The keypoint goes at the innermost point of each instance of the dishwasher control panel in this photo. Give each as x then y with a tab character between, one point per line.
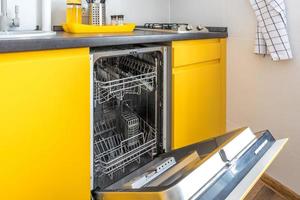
151	174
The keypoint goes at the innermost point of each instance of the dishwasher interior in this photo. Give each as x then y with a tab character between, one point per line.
129	110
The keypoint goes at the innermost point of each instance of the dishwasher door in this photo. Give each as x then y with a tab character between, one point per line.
226	167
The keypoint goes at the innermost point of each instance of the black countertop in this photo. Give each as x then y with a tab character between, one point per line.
65	40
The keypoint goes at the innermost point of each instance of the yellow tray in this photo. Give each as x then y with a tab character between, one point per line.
83	28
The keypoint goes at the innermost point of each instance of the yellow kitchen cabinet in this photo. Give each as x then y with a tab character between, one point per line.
44	125
198	91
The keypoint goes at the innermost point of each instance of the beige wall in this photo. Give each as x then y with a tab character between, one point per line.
261	94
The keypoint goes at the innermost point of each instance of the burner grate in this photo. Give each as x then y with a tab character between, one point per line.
164	26
173	28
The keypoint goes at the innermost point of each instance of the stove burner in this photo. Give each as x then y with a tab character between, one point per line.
172	28
165	26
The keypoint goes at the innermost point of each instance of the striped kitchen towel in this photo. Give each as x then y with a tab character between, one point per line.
271	35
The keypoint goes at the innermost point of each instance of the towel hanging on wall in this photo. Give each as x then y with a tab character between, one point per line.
271	34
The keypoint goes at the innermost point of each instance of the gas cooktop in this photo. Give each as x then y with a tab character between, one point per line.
173	28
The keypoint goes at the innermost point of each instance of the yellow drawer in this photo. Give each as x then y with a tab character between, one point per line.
195	51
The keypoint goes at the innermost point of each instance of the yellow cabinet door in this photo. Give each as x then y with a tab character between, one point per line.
44	125
198	95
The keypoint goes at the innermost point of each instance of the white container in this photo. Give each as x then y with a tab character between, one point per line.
46	15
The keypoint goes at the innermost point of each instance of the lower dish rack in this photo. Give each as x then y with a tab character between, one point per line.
114	153
128	76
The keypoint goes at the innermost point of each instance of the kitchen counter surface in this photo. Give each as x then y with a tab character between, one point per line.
65	40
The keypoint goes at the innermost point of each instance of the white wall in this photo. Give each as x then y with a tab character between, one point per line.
137	11
262	94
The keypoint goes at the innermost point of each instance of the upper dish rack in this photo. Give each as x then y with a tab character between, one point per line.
128	76
116	152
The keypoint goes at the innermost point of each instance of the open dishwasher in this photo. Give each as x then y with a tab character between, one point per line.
131	157
129	110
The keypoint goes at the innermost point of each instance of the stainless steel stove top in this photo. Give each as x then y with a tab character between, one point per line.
173	28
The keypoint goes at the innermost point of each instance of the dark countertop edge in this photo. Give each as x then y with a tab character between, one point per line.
22	45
